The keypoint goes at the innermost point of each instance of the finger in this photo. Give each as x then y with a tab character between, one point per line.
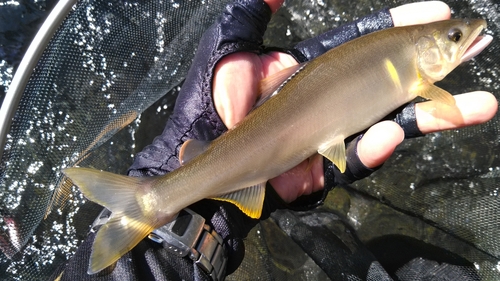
274	4
470	109
303	179
234	95
235	85
420	12
379	142
273	62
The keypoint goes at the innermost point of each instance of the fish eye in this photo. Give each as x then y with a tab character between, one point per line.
455	34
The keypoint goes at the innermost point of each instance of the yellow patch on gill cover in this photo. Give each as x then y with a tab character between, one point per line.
393	73
417	85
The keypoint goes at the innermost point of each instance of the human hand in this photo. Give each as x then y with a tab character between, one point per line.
235	90
221	87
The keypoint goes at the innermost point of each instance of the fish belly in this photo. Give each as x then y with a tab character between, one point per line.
334	96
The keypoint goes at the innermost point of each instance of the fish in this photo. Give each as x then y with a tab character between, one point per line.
304	110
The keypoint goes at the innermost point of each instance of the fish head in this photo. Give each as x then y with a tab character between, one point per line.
442	46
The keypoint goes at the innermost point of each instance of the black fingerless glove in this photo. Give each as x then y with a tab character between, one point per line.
314	47
240	28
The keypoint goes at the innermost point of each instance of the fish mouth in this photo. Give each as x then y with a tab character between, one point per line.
476	44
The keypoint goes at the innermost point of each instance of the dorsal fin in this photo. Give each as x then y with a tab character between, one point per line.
270	85
249	200
190	149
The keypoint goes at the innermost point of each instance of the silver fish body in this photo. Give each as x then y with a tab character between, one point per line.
328	99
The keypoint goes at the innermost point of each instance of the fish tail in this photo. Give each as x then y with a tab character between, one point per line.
129	222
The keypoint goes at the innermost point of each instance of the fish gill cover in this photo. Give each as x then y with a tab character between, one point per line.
111	60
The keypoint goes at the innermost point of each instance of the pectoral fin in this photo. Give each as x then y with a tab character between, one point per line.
335	152
249	200
433	92
190	149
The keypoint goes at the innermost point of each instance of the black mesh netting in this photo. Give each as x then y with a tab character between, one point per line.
431	213
108	62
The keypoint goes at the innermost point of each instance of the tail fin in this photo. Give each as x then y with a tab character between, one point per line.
129	223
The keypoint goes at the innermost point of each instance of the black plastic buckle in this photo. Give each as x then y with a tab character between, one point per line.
188	235
180	235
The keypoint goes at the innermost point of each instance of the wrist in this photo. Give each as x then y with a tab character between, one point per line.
314	47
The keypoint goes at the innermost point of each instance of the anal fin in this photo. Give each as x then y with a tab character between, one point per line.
250	200
335	152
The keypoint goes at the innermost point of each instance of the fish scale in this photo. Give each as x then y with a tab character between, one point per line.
338	94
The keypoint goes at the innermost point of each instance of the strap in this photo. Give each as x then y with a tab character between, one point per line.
187	236
407	119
